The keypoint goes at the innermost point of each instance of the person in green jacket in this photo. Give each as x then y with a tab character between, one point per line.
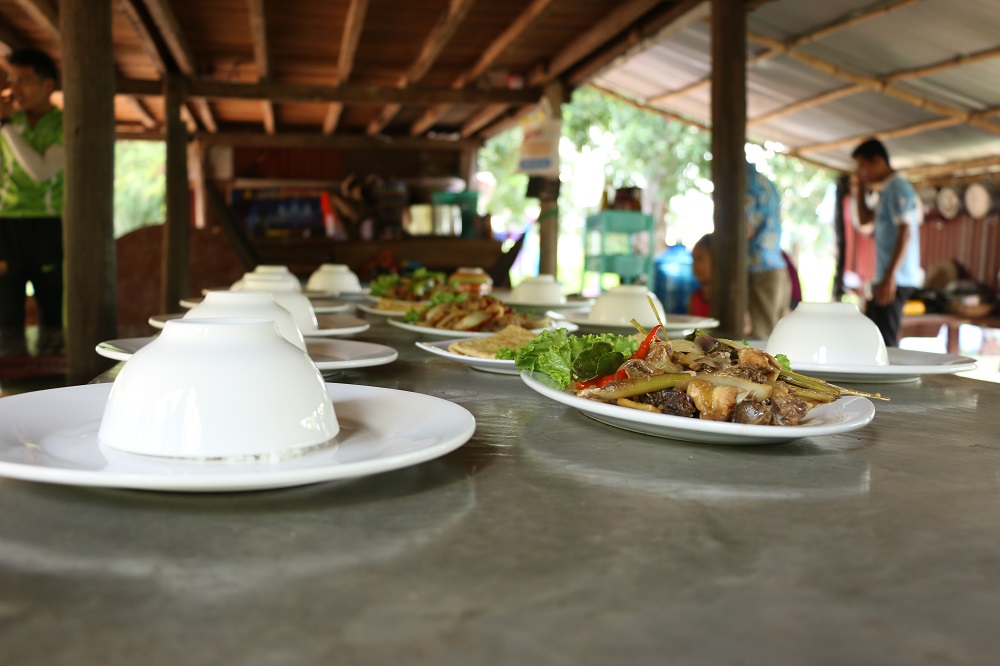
31	199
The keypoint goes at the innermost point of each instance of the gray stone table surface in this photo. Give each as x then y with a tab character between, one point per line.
548	538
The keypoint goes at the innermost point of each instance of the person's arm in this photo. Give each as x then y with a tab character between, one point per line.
865	215
885	293
38	167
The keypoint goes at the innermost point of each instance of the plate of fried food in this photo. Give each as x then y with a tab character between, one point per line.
467	314
480	353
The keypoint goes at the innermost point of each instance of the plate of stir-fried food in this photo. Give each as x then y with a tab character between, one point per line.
698	388
469	315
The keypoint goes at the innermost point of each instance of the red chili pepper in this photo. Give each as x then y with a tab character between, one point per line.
640	353
643	349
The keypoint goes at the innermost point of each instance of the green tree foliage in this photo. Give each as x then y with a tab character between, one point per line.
643	148
140	185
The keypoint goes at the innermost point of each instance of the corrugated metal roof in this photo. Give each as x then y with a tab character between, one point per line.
864	39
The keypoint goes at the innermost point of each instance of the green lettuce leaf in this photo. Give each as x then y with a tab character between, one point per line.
553	353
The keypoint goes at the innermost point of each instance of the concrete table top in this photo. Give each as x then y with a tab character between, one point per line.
549	538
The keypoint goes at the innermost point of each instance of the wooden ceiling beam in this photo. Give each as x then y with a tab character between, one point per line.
438	38
154	47
616	22
44	14
352	93
145	117
816	100
489	56
261	56
653	28
482	118
312	140
349	41
163	17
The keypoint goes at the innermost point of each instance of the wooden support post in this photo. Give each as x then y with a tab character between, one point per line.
88	211
729	245
548	216
842	194
177	231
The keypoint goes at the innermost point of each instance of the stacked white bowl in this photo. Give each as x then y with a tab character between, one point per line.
219	391
334	279
538	290
619	305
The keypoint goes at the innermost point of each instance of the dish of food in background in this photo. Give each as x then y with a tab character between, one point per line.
672	323
328	355
328	325
417	286
480	353
51	437
454	335
390	307
320	305
472	280
471	312
843	415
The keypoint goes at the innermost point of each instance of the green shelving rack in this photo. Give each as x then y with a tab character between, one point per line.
618	242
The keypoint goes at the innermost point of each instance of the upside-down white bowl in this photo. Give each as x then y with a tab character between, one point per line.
828	333
219	390
540	289
277	275
248	305
620	305
334	278
294	301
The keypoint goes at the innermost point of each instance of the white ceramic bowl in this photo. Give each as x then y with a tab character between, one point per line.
292	300
226	390
620	305
538	290
276	275
334	278
828	333
248	305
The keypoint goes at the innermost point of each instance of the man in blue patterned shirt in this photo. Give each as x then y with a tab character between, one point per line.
770	288
896	224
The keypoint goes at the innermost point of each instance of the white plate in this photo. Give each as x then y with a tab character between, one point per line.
329	324
454	335
500	367
905	365
51	436
673	324
575	304
843	415
351	296
326	354
320	305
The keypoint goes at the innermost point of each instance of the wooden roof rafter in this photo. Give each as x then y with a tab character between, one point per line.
44	14
490	55
615	23
886	88
353	25
261	55
442	32
899	75
163	18
778	48
897	132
